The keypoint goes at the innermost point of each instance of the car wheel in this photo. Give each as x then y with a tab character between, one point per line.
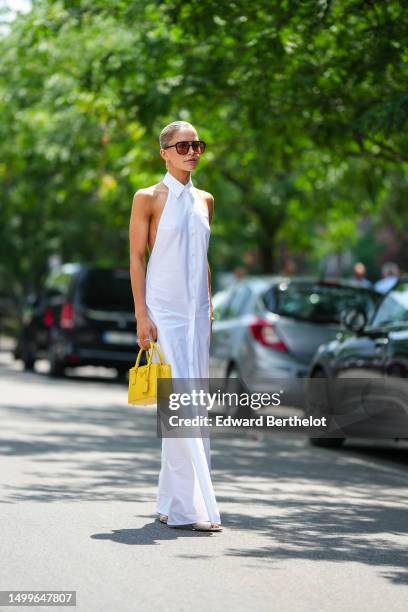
233	384
57	369
27	357
318	411
121	374
17	351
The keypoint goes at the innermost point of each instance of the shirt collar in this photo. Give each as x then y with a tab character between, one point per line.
175	185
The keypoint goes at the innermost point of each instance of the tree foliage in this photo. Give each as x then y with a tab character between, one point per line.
303	104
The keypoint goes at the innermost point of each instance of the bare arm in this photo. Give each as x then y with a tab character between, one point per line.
138	239
209	288
210	204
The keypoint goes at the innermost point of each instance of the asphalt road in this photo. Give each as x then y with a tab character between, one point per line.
305	529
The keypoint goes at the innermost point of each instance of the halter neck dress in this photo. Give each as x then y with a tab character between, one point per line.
177	301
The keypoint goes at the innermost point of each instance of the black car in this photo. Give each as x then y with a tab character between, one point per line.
367	365
83	316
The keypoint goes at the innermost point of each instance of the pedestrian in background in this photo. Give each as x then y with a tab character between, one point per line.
390	274
359	275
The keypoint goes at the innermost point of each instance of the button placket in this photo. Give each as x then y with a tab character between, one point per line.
193	219
191	254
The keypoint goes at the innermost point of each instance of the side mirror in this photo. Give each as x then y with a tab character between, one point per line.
354	319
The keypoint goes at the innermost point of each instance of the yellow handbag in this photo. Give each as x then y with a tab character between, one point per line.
143	379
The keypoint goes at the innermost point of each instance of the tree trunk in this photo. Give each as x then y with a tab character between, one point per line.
267	256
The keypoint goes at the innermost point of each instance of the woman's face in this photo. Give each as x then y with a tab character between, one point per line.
185	162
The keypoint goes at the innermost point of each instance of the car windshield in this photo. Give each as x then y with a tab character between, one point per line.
317	303
219	302
58	282
107	290
394	308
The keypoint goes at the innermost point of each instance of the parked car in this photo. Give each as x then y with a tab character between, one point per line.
371	350
38	316
84	316
219	300
269	327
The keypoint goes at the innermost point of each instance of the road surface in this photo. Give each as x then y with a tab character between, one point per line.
305	529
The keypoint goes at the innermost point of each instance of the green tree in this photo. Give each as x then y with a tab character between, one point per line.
303	105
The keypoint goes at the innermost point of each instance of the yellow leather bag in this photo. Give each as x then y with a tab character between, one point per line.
143	379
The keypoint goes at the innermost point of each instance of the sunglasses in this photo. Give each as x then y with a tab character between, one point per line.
183	146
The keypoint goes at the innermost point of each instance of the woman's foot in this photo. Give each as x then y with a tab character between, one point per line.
216	527
207	526
200	526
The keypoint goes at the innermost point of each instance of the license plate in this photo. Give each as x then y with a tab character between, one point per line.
114	337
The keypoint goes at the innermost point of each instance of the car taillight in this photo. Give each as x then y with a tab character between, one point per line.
264	332
67	316
48	318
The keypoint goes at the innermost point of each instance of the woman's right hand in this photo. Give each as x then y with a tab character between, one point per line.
146	331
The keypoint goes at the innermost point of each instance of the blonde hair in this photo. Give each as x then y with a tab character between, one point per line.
170	130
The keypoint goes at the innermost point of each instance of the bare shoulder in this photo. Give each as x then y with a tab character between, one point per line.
209	198
146	198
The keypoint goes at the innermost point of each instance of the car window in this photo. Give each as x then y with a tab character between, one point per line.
219	302
107	289
317	303
49	293
238	302
393	308
58	283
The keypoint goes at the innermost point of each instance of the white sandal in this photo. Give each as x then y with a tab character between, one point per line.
200	526
206	526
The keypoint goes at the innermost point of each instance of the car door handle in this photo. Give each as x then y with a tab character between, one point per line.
381	342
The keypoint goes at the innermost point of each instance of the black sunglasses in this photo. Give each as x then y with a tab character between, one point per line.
183	146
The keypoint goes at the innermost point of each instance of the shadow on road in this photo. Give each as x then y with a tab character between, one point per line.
150	534
300	502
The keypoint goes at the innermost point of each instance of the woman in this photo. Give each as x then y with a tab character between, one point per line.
173	307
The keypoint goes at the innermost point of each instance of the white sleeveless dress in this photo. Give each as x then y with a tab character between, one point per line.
177	301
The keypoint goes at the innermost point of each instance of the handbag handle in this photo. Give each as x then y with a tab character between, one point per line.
150	350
